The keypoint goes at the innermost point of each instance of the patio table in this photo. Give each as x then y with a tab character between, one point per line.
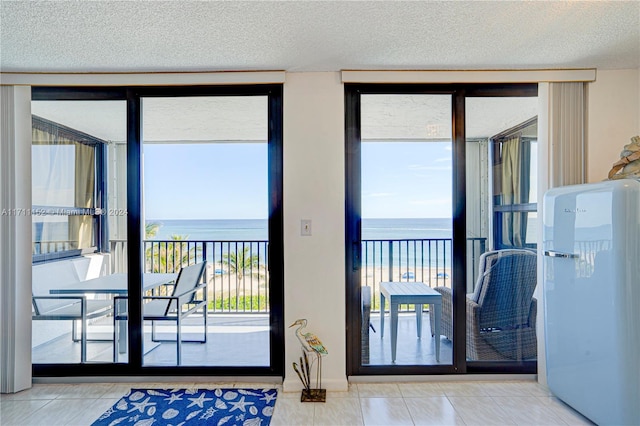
416	293
115	284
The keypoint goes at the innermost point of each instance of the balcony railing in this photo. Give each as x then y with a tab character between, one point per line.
425	260
238	276
236	273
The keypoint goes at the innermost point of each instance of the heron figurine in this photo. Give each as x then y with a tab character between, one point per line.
310	344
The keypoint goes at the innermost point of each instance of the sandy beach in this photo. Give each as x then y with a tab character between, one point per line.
224	285
434	277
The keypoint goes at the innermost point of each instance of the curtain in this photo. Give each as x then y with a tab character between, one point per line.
512	191
63	175
567	157
81	227
52	178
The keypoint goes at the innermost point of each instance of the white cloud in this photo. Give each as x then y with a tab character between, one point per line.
431	201
416	167
379	194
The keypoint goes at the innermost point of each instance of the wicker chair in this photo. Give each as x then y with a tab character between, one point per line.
501	313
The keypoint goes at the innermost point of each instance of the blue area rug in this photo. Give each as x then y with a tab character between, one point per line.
145	407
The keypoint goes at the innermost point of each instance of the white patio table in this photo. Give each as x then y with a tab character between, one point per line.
115	284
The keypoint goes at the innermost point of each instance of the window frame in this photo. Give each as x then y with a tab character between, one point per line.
100	230
352	130
133	95
500	210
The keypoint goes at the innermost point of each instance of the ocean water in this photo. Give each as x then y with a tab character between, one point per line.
212	230
256	229
374	253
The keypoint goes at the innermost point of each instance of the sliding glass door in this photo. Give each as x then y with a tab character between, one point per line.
79	217
158	218
426	167
501	160
206	201
405	225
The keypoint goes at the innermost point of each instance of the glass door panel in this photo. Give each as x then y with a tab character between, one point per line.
406	229
501	194
206	202
79	218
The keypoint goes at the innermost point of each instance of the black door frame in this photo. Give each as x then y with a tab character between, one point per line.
459	93
133	97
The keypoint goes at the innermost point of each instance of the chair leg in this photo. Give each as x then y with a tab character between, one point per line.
74	333
115	339
179	342
204	314
83	335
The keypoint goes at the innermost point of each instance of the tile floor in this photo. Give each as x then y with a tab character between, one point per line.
519	402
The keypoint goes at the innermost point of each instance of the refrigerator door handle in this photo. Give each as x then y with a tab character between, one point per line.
552	253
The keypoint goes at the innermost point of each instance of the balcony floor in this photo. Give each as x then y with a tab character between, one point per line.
232	340
410	350
242	340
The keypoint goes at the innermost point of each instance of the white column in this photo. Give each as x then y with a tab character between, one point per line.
314	267
15	238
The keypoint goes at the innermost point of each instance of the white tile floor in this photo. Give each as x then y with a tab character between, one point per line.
430	403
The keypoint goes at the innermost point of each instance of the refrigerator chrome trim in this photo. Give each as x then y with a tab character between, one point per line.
552	253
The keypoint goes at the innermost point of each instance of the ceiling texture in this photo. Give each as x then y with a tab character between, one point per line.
174	36
301	36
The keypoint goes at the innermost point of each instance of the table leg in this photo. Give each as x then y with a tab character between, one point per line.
419	319
382	302
122	327
394	329
438	314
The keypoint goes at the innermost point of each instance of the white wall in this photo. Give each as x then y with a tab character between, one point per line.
613	118
314	183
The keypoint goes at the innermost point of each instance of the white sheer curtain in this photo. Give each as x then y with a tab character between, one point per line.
63	175
52	186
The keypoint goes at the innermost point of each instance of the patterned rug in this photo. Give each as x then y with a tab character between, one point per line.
145	407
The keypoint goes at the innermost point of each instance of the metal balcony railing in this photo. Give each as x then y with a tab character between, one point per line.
238	277
424	260
236	273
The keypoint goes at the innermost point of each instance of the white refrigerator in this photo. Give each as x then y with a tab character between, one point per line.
591	246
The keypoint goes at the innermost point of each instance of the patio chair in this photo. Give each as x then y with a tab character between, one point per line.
366	323
183	302
77	309
501	312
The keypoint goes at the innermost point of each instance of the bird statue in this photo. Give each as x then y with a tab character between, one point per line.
310	344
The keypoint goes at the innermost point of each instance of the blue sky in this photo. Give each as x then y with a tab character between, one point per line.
229	181
406	180
205	181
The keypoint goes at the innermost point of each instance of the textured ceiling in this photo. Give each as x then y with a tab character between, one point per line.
113	36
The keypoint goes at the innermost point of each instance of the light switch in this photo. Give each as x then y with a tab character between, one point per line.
305	227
